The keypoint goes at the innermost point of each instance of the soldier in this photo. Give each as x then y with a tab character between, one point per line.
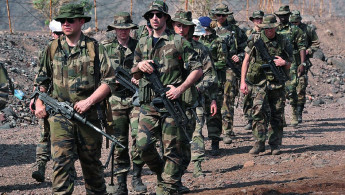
72	69
184	26
4	86
313	44
298	41
265	88
43	146
179	69
228	57
121	53
213	121
142	31
256	18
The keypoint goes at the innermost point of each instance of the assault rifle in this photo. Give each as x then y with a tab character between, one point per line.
278	72
53	107
173	107
226	45
124	78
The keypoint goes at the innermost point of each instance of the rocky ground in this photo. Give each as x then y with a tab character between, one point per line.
312	161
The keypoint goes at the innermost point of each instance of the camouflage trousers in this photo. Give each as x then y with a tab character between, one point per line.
291	85
43	146
214	129
153	126
67	138
124	116
275	99
248	104
230	93
302	89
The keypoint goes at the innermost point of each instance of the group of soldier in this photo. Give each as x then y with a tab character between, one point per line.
203	63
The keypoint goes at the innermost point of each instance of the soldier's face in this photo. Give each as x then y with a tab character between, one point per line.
270	32
122	34
221	18
72	26
181	29
157	20
257	21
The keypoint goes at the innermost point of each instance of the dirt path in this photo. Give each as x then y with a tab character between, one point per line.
313	161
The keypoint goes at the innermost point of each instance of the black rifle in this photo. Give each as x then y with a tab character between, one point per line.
278	72
173	107
124	78
226	45
53	107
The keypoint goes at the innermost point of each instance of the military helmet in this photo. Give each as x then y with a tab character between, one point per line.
269	21
221	8
122	20
157	6
283	10
72	11
184	17
257	14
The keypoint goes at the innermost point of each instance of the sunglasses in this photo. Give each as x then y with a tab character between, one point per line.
221	15
159	15
69	20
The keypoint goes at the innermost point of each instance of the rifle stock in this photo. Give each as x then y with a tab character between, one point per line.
124	78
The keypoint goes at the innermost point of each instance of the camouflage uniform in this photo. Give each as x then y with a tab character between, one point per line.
174	58
266	89
71	74
4	86
298	41
312	44
247	100
123	112
233	43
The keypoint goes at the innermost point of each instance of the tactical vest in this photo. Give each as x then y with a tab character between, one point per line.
255	73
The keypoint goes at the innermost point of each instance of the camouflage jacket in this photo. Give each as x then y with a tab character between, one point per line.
208	83
140	32
4	86
232	41
297	39
312	40
208	39
71	72
278	46
174	58
250	32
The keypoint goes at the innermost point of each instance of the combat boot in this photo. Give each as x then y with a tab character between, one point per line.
39	171
258	147
227	139
122	184
182	189
215	148
275	150
137	183
299	113
197	172
294	120
249	125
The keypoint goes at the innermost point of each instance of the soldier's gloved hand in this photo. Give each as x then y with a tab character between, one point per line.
144	66
235	58
300	70
174	92
213	108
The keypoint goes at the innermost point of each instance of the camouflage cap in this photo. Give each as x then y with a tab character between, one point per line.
257	14
157	6
295	16
184	17
221	8
72	11
269	21
283	10
122	20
